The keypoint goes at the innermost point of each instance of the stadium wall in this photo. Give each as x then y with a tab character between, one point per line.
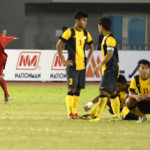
45	65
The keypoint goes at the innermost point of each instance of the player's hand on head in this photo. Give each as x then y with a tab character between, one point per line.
69	63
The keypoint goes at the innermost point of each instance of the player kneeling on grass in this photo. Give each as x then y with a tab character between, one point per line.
123	91
139	103
76	38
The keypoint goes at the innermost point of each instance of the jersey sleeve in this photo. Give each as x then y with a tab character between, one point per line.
89	38
133	85
66	35
111	44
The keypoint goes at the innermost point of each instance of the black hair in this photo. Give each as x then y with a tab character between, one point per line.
121	79
64	28
80	14
144	62
106	23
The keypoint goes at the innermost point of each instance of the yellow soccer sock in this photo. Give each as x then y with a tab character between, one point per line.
76	103
115	104
137	112
125	111
69	102
101	105
93	111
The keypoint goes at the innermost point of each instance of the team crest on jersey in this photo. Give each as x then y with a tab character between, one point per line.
84	37
148	84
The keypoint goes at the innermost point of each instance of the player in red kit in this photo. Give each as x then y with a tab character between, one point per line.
4	40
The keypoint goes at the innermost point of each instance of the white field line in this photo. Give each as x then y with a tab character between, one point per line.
34	117
68	131
39	117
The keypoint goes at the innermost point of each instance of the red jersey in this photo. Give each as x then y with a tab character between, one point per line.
4	40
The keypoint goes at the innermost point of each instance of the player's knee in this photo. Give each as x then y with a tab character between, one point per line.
74	92
113	94
131	103
77	92
103	93
70	93
71	90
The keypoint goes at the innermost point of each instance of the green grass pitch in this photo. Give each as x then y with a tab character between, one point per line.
35	119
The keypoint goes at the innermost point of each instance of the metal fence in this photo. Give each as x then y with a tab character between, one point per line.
141	47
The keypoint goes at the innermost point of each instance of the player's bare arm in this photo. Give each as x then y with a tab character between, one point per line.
89	104
105	60
126	95
59	46
141	97
132	95
91	49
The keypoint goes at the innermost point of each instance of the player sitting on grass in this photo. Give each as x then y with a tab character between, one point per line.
123	91
139	103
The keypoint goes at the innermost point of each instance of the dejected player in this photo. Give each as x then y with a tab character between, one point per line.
123	92
76	39
4	40
139	103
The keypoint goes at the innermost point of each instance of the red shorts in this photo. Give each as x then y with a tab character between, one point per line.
3	60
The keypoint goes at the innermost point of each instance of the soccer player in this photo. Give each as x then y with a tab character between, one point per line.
139	103
110	71
123	91
76	38
4	40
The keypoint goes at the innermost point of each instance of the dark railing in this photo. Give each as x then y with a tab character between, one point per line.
143	47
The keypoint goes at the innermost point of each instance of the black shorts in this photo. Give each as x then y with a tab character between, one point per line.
75	78
131	116
144	106
109	81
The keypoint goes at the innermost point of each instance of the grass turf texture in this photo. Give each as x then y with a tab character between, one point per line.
35	119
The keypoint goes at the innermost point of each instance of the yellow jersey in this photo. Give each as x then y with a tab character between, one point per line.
109	44
77	41
142	86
